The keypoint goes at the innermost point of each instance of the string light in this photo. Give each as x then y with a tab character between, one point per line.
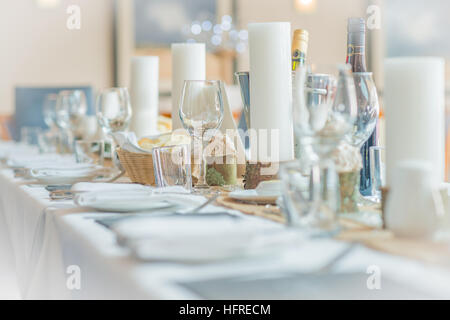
305	6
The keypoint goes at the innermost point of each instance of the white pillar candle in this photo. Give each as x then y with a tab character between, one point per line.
271	89
188	63
144	94
414	112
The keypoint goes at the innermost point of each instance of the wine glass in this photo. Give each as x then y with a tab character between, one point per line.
201	113
368	109
71	107
367	115
114	112
324	111
49	110
324	107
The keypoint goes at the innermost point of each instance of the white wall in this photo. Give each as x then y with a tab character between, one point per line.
327	25
38	49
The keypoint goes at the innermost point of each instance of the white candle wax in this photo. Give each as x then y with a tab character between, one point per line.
414	112
188	63
271	90
144	94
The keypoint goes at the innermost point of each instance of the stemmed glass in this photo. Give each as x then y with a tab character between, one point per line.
49	110
113	110
368	111
201	112
71	107
324	109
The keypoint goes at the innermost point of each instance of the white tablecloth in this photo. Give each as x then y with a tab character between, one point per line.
46	239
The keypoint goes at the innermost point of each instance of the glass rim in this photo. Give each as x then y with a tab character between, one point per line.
239	73
184	145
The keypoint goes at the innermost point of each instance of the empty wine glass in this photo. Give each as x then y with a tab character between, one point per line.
324	110
367	111
114	110
366	119
71	107
49	110
201	112
324	107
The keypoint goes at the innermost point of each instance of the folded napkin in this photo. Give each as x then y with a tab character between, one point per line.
200	238
129	193
100	186
73	171
127	141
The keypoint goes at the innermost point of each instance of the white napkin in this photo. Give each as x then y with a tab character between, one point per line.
98	186
77	170
200	238
128	142
129	193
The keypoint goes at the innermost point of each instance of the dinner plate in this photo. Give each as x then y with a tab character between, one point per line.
121	201
59	177
123	206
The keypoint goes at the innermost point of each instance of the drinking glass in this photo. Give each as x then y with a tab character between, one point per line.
172	166
48	141
29	135
367	111
113	110
324	107
311	196
49	110
90	152
71	107
324	112
201	112
367	116
377	157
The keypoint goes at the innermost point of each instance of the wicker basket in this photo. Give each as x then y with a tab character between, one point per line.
139	166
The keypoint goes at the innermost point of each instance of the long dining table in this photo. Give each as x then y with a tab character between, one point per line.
59	251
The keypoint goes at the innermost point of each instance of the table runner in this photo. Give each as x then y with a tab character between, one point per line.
380	240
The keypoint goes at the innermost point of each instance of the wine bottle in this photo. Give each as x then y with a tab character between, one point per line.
356	57
299	48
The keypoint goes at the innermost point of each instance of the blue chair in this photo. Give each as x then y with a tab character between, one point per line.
29	104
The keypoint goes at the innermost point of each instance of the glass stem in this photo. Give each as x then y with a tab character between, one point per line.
202	173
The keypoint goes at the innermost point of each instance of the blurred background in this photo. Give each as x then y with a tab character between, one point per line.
41	51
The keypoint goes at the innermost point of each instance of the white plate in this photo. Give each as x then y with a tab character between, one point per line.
124	206
69	176
254	196
64	179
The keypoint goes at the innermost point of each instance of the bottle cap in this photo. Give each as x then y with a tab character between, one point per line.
301	34
356	25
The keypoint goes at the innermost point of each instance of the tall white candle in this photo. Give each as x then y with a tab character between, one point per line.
188	63
271	89
144	93
414	110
